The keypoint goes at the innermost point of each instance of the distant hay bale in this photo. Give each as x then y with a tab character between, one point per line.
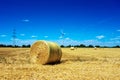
95	48
72	48
44	52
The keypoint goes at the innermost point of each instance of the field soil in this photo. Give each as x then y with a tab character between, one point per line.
78	64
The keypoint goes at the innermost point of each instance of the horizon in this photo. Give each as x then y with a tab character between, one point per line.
68	22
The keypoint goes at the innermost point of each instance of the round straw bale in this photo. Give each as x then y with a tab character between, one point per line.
44	52
72	48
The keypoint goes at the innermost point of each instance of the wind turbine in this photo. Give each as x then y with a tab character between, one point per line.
14	37
62	36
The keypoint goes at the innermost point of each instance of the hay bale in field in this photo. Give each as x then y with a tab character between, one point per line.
95	48
44	52
72	48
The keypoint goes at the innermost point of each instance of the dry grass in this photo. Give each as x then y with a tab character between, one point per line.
79	64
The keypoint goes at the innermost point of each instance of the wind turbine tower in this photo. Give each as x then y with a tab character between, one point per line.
62	36
14	37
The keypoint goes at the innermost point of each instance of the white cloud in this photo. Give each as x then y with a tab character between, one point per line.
60	37
46	36
71	42
118	30
25	20
68	41
116	38
113	43
33	36
16	39
92	42
67	38
22	34
100	37
26	42
3	35
21	41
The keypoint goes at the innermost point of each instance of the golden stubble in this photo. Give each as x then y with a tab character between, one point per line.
78	64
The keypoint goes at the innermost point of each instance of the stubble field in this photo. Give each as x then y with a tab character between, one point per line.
78	64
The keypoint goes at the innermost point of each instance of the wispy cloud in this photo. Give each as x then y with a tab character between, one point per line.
33	36
16	39
25	20
67	38
100	37
68	41
3	35
92	42
60	37
22	34
118	30
116	38
25	42
45	36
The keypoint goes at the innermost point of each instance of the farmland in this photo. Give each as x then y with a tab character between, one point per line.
78	64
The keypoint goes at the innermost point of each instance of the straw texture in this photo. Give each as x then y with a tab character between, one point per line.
44	52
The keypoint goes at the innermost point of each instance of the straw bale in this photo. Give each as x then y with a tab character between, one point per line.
72	48
44	52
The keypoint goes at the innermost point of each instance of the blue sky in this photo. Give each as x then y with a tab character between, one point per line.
95	22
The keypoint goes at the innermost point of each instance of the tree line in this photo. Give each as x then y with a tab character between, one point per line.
68	46
89	46
16	46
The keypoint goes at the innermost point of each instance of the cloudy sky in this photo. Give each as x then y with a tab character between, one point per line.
66	22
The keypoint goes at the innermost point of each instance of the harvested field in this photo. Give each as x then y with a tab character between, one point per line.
78	64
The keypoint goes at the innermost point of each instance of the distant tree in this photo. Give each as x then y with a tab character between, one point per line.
9	46
117	46
105	47
15	46
69	46
26	46
82	45
23	46
2	45
62	46
76	46
97	46
90	46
